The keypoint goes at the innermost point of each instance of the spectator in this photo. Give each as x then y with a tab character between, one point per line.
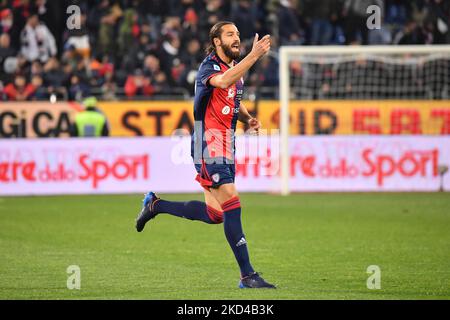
190	59
36	68
10	27
6	21
290	32
151	66
6	51
241	15
169	52
109	88
411	34
439	18
109	15
268	77
355	16
71	57
40	93
19	90
55	79
138	84
212	14
193	55
179	8
190	24
11	66
78	39
171	27
77	88
154	12
322	15
128	31
37	41
53	75
158	78
134	56
49	12
380	36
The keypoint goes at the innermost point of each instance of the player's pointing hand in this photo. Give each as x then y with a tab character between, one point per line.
260	47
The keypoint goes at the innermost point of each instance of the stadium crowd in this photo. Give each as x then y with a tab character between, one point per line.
152	48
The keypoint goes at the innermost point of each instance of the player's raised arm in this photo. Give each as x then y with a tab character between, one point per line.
260	48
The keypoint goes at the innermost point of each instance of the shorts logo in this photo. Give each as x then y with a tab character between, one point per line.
216	67
215	177
226	110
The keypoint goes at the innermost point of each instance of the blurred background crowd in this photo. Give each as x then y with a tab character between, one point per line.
151	49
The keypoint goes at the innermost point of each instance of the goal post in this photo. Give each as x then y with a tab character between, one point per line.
418	72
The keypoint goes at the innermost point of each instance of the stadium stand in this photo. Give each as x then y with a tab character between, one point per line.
136	49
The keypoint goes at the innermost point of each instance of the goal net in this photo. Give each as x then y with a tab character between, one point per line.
364	73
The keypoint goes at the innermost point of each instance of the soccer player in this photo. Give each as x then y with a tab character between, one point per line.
217	108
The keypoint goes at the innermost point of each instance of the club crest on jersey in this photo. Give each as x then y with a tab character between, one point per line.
215	177
231	93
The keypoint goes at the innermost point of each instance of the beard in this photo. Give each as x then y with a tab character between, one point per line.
229	52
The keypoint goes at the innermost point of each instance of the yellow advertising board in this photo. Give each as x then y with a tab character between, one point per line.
160	118
148	118
36	119
307	117
362	117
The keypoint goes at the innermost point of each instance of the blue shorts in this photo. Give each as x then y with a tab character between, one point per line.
213	175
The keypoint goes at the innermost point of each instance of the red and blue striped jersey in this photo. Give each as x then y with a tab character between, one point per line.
216	113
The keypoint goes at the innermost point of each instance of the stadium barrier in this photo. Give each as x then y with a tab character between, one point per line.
161	118
134	165
307	117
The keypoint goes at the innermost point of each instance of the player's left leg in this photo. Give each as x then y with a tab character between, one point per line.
227	195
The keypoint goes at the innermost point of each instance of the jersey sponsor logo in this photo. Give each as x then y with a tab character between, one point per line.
216	67
226	110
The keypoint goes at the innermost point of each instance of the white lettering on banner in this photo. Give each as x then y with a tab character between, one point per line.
60	166
92	170
318	163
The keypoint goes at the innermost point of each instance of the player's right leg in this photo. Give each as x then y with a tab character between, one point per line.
208	211
147	213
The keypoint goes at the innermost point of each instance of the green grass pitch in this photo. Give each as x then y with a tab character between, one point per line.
313	246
